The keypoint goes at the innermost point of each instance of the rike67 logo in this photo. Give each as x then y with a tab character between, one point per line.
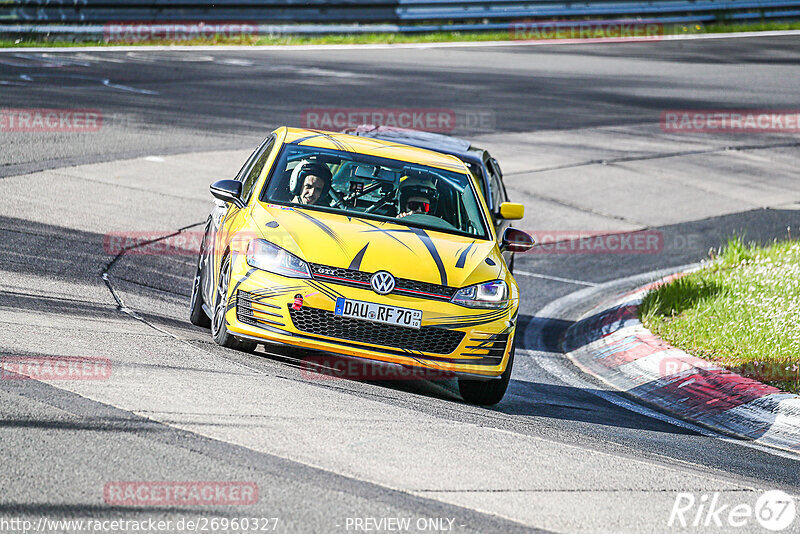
774	510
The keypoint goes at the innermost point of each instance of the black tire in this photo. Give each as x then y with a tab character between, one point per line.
487	392
219	325
197	315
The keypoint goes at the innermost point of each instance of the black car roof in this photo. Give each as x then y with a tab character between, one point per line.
455	146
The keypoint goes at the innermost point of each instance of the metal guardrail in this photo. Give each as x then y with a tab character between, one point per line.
87	17
409	10
102	11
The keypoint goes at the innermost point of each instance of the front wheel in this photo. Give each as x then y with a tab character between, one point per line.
219	325
487	392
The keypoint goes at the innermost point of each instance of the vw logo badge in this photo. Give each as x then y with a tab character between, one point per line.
382	283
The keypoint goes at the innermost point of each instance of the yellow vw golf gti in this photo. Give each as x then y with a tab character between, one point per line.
364	248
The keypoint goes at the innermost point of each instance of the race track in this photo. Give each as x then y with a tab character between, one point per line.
576	130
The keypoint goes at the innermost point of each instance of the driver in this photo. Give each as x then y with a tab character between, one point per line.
416	196
310	182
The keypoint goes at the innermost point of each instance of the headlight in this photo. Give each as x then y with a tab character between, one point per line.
268	257
492	294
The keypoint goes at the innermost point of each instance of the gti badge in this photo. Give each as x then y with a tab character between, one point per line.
382	283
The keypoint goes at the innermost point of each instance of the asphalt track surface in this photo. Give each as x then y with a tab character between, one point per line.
576	130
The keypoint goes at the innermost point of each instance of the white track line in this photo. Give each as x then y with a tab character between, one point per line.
386	46
556	278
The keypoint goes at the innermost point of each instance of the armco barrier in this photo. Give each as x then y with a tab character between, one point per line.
86	18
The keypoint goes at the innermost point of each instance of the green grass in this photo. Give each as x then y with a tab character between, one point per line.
386	38
742	311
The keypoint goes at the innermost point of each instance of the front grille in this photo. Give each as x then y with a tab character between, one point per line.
403	286
247	306
426	339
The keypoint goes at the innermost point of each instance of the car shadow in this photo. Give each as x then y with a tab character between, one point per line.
533	393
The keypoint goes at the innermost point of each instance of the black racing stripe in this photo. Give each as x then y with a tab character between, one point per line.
268	292
448	165
387	232
273	294
465	324
318	133
474	321
331	294
463	258
266	321
340	144
392	146
322	290
334	291
242	279
428	242
275	288
356	263
462	318
260	302
324	227
303	139
472	317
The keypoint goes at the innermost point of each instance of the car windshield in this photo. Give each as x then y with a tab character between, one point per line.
377	188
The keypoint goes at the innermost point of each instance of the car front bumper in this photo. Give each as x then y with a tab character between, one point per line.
451	339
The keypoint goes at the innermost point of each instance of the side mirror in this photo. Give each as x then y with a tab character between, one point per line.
511	211
516	241
228	191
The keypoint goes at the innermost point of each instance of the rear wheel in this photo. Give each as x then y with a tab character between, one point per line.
219	325
487	392
197	316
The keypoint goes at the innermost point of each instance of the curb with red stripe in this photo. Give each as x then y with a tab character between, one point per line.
611	344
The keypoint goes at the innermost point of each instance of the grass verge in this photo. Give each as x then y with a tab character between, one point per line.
741	311
380	38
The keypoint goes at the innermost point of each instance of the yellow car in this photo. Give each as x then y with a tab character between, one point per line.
364	248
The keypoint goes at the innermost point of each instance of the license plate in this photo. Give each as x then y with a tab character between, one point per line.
378	313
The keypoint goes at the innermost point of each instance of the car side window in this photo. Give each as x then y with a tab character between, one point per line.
476	172
498	193
501	188
249	181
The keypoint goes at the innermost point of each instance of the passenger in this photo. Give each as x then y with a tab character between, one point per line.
310	182
416	196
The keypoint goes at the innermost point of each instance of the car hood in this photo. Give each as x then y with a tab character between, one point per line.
371	245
